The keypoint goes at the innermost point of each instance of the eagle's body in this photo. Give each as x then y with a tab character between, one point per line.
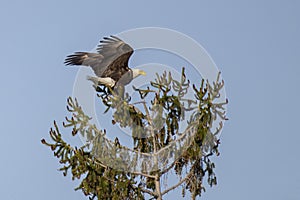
110	63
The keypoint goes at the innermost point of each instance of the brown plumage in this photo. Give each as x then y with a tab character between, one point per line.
110	60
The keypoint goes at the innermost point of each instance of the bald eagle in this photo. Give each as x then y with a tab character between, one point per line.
110	62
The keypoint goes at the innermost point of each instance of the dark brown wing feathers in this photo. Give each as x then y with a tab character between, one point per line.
111	59
83	58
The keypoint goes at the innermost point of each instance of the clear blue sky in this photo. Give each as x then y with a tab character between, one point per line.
255	44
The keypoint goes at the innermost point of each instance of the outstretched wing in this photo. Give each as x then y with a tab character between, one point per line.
84	58
110	61
116	55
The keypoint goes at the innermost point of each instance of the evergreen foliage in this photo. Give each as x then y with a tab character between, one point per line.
155	122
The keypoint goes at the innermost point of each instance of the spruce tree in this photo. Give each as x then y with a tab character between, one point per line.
110	170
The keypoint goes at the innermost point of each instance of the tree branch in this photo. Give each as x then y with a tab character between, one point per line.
146	191
157	175
142	174
176	185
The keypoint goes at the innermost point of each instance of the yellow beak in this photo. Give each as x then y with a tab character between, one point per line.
141	72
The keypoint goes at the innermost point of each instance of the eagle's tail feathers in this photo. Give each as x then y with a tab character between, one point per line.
107	81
